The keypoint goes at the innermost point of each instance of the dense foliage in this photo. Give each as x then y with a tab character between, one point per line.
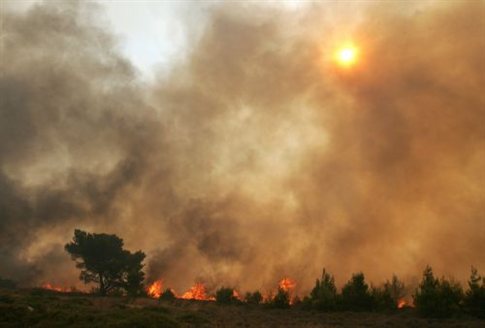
475	296
281	300
226	296
167	295
439	298
253	298
103	260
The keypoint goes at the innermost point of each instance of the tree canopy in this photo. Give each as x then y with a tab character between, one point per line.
103	260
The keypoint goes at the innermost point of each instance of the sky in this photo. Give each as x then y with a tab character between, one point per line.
229	142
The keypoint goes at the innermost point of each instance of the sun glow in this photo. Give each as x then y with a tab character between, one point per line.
346	56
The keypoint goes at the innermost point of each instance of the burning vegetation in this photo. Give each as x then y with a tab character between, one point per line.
433	297
155	289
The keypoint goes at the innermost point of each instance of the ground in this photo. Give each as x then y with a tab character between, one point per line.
40	308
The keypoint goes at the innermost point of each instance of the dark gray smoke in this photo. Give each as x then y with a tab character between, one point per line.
257	157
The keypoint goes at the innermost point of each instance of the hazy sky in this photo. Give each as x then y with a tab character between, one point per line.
155	33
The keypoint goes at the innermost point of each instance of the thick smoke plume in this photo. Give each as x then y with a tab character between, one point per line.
256	157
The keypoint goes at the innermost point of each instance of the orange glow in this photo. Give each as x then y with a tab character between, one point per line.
49	286
346	56
235	294
287	284
155	289
197	292
402	303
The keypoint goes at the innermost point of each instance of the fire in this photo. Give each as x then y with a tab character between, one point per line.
287	284
197	292
402	303
155	289
49	286
235	294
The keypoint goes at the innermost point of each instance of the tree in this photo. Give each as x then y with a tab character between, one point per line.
281	299
323	296
226	296
382	299
395	289
253	298
437	298
355	294
167	295
103	260
388	296
475	295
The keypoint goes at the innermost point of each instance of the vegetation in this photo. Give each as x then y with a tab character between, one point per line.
103	260
226	296
437	298
356	295
387	297
475	296
118	272
281	299
254	298
43	308
7	283
323	296
167	295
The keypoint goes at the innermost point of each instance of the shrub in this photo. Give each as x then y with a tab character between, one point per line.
437	298
226	296
253	298
281	299
356	295
382	299
395	289
323	296
7	283
167	295
387	297
475	295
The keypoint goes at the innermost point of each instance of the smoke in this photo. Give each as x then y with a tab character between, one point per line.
256	157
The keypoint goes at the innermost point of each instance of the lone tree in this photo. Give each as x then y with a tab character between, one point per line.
103	260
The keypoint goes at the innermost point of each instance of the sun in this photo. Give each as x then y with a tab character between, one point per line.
346	56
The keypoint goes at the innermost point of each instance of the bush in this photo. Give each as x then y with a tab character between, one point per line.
167	295
281	299
475	295
437	298
356	295
226	296
387	297
323	296
382	299
253	298
396	290
7	283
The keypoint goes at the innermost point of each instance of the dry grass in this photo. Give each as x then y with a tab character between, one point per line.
35	308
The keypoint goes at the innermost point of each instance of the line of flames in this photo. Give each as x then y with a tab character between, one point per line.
198	291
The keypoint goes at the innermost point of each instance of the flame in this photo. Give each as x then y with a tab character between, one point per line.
50	286
235	294
197	292
402	303
287	284
155	289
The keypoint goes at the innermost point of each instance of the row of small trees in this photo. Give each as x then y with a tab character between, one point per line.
438	298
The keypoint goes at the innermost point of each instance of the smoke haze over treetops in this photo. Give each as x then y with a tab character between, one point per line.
255	157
